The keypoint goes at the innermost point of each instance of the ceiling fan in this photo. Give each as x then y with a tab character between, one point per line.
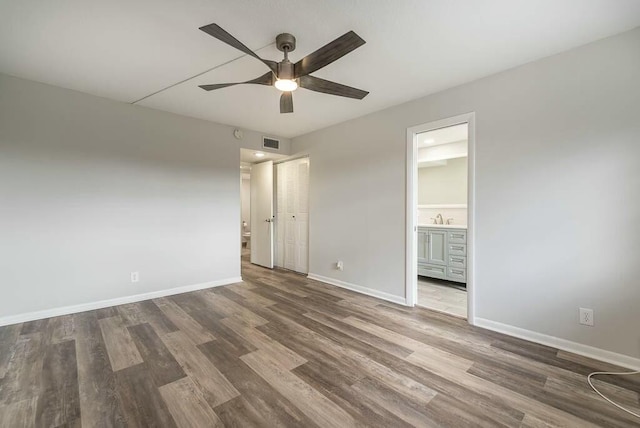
285	75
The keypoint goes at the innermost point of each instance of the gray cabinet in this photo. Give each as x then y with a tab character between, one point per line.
437	247
442	253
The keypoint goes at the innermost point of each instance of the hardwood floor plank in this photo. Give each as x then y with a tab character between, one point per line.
59	397
239	413
281	286
36	326
452	412
405	409
316	406
244	290
22	380
285	356
215	387
108	312
364	336
99	396
343	350
257	394
213	324
229	308
361	407
304	345
555	392
197	333
157	318
188	406
121	349
8	337
140	399
62	329
19	414
162	367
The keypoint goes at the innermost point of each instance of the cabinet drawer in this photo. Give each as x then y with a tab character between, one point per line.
433	271
457	274
457	250
457	261
457	237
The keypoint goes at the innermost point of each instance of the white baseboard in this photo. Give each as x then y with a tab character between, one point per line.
563	344
66	310
360	289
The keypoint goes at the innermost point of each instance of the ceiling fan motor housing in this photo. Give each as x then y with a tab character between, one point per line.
285	70
285	42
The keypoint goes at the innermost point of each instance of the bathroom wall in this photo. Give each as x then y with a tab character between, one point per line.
456	213
443	184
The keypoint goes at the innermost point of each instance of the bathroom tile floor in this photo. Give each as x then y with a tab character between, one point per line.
440	296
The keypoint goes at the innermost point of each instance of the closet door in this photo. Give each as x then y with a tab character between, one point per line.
290	196
280	214
301	245
293	215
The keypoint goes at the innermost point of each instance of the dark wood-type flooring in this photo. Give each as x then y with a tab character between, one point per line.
281	350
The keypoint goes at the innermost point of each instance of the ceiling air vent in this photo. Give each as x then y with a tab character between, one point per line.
270	143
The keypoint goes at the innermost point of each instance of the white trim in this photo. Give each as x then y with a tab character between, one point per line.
411	257
428	206
359	289
66	310
563	344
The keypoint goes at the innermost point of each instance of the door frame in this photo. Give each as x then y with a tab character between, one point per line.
411	251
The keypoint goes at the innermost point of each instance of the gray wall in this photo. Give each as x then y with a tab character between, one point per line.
92	189
557	182
445	184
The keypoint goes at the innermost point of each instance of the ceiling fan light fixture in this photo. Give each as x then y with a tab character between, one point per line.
286	85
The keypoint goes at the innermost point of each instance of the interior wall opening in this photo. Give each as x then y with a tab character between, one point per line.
440	195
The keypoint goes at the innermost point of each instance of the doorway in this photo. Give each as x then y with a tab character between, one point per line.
275	210
256	196
440	190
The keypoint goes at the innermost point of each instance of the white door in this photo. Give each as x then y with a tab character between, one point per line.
293	212
280	217
262	214
301	246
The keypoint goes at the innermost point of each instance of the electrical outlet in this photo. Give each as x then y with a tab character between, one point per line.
586	316
339	265
135	276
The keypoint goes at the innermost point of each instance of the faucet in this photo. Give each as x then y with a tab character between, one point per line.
439	219
450	221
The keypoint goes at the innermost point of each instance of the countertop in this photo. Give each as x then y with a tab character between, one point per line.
444	226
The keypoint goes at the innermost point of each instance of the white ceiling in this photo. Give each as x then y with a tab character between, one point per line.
248	156
440	136
126	50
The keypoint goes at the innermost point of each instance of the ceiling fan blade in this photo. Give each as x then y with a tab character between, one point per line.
265	79
217	86
216	31
328	87
328	53
286	102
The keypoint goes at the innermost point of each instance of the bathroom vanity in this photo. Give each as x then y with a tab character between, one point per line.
442	252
